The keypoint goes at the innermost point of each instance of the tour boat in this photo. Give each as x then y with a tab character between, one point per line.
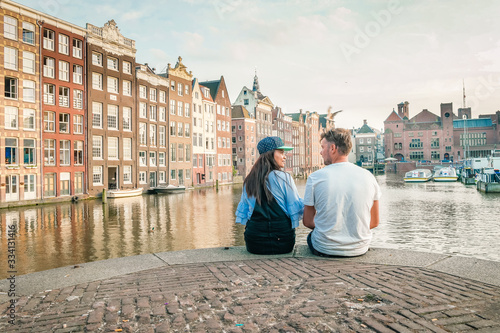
418	176
446	174
124	193
169	189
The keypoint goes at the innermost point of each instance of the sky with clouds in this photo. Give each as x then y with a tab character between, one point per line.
362	57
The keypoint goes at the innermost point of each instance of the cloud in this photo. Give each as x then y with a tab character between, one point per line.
343	18
132	15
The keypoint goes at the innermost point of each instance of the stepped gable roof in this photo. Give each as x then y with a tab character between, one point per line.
394	116
239	111
213	86
365	129
425	116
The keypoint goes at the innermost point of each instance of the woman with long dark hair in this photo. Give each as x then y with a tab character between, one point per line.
270	206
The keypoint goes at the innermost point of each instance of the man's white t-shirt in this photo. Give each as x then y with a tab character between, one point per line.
343	195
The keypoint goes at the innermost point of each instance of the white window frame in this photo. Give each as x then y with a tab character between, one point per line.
49	38
63	44
11	120
77	48
77	99
112	63
97	59
96	81
127	119
9	27
113	153
96	115
97	152
49	67
29	120
77	74
97	175
127	149
113	84
29	88
63	70
77	124
10	60
127	174
112	117
29	62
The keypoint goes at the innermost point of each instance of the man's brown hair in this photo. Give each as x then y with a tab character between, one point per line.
340	137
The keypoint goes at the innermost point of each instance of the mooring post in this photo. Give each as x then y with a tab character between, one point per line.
104	196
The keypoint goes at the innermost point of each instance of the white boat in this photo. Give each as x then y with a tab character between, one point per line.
124	193
418	176
488	181
446	174
169	189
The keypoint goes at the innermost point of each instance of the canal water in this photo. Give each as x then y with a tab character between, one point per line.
447	218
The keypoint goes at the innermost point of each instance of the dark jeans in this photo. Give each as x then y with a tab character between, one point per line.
320	254
276	237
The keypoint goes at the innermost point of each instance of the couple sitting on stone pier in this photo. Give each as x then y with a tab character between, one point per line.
340	203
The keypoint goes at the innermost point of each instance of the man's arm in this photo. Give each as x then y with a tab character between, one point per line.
308	219
374	215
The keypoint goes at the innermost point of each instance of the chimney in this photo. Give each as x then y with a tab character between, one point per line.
364	122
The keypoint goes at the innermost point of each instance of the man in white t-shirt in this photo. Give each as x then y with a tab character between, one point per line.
341	201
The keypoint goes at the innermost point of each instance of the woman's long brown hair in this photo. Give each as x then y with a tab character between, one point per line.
258	176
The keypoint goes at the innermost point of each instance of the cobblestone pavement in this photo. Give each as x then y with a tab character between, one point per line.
267	295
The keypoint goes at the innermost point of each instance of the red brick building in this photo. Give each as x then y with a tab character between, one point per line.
244	143
63	106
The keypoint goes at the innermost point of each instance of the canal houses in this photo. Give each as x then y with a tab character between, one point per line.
220	96
112	113
209	137
180	118
63	106
198	135
244	145
20	128
152	125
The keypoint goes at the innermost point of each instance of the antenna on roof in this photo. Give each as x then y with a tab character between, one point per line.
463	83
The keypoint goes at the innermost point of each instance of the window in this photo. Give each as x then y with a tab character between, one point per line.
187	110
97	81
188	153
96	115
113	117
142	177
77	124
143	92
77	48
152	112
49	121
29	91
187	131
179	89
163	96
142	134
97	146
112	63
179	108
50	152
28	62
143	110
179	129
28	33
162	136
10	27
127	118
127	174
10	87
172	174
97	175
77	99
29	119
10	58
29	187
127	88
63	44
11	117
11	151
127	67
97	59
152	158
180	151
78	183
63	123
142	158
172	153
152	135
245	101
172	128
112	84
49	181
172	107
186	89
161	159
48	39
48	67
172	85
49	93
127	148
64	152
63	70
77	74
163	113
112	148
64	97
152	94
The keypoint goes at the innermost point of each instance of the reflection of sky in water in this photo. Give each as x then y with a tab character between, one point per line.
447	218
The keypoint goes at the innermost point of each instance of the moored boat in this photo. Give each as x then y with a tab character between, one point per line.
488	181
169	189
418	176
124	193
446	174
467	176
